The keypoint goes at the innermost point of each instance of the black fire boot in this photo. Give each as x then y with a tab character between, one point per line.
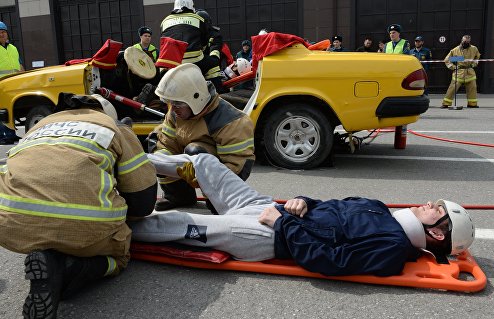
45	271
177	194
80	271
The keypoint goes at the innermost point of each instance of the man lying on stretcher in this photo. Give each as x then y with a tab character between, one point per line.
336	237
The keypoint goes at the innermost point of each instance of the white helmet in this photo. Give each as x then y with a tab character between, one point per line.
185	83
229	71
108	108
463	229
243	66
179	4
263	32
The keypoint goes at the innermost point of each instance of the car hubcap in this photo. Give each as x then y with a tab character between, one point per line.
297	138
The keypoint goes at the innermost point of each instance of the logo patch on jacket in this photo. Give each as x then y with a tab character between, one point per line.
197	232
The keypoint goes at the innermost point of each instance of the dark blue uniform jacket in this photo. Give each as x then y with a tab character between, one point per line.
344	237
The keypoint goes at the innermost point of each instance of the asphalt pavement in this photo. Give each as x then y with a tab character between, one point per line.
427	169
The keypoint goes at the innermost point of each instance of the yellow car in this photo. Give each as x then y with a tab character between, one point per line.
300	97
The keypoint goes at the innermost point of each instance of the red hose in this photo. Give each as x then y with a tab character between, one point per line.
449	140
473	207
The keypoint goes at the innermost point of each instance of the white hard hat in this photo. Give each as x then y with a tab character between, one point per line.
263	31
139	63
463	229
229	72
185	83
108	108
179	4
243	66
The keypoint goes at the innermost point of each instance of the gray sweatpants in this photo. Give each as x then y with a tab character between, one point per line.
235	230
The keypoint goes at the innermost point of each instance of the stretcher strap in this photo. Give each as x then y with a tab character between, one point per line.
424	273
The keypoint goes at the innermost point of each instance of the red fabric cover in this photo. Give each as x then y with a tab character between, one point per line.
171	52
213	256
266	44
77	61
106	57
225	51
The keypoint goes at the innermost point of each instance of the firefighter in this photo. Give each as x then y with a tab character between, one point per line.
145	44
199	121
396	45
465	73
66	191
184	24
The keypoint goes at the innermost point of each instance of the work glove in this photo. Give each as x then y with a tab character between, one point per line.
188	174
147	94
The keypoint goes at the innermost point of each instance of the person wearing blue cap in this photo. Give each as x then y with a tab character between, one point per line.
422	54
396	45
10	62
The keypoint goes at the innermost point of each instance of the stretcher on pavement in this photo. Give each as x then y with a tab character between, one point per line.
459	274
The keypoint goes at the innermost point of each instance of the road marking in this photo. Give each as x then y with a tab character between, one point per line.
420	158
484	234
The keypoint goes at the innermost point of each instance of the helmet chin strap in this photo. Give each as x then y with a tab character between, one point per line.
437	223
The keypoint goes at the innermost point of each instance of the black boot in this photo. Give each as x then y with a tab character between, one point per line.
81	271
45	271
177	194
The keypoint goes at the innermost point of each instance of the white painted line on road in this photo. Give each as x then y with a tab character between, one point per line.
484	234
418	158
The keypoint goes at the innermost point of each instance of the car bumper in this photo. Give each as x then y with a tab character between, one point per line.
402	106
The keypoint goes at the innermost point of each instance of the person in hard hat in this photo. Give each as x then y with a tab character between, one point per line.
67	189
199	121
145	44
184	24
10	62
396	45
465	75
237	68
335	237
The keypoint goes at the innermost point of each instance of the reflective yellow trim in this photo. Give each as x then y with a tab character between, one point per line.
112	265
168	61
168	130
44	208
167	180
235	148
215	53
448	100
132	164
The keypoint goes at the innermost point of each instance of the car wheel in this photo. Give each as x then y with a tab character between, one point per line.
36	114
298	136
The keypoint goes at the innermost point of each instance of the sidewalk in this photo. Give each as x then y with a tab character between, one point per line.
485	100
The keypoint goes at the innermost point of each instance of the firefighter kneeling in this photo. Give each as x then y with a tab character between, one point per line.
200	121
66	191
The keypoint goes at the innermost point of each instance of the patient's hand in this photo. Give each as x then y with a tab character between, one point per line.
269	216
296	206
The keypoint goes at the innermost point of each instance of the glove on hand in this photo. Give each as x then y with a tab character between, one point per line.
188	174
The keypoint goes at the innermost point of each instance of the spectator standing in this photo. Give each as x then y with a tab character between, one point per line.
465	75
145	45
396	45
422	54
367	47
10	62
246	52
337	45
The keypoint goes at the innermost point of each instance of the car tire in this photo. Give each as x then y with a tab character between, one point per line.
298	136
36	114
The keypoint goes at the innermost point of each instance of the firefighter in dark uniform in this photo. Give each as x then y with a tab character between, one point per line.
186	25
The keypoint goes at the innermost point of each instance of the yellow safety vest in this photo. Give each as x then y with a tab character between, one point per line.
398	49
9	60
151	50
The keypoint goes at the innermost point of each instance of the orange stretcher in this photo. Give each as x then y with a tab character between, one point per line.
460	274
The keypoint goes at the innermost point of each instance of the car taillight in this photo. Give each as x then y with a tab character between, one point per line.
415	81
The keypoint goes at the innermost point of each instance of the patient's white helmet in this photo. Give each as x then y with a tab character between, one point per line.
463	229
185	83
243	66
